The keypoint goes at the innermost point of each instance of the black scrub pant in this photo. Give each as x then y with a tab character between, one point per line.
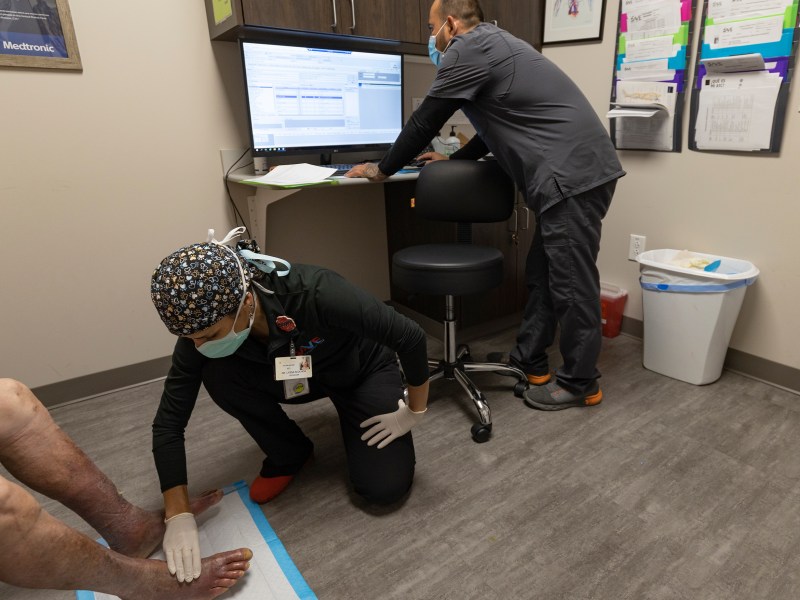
564	289
246	391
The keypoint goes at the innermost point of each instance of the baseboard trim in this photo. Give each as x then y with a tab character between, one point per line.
97	384
632	327
749	365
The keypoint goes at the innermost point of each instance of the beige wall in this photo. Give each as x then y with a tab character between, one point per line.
105	172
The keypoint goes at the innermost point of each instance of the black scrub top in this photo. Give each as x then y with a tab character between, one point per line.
347	332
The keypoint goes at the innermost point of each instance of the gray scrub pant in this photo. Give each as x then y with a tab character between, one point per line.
564	290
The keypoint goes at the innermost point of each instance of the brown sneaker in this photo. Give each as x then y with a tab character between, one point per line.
554	397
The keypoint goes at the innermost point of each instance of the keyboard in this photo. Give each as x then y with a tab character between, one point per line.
341	168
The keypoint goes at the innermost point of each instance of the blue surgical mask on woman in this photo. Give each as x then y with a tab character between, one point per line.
436	56
230	343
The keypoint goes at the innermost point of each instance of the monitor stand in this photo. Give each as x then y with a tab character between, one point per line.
325	159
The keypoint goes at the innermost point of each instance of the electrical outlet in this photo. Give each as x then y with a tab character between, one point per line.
636	246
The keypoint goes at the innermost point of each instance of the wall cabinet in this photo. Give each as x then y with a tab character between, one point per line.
386	19
521	19
404	21
309	15
398	20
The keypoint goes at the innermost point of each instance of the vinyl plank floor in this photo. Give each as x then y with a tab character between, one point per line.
664	491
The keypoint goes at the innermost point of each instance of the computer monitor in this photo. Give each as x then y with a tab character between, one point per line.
307	100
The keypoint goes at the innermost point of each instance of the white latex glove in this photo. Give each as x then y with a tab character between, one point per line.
387	428
182	547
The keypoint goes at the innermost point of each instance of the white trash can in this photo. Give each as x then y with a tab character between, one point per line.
690	312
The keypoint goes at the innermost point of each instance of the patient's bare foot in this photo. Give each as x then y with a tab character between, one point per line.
140	532
220	572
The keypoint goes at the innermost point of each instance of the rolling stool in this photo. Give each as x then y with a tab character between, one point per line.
462	191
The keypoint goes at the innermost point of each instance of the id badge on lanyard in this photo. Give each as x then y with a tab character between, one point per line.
294	371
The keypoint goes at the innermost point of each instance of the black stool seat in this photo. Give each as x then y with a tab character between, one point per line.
442	269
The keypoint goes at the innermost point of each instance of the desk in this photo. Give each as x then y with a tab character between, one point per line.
265	195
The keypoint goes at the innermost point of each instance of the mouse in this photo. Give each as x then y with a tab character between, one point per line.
417	163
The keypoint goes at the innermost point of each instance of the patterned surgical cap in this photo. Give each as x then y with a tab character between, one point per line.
196	286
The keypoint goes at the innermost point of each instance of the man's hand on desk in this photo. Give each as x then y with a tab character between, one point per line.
368	170
427	157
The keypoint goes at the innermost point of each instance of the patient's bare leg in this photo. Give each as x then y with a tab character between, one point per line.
38	551
38	453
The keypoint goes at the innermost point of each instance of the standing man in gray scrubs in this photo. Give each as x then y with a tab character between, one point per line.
546	136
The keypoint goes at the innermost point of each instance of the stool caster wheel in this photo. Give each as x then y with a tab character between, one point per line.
519	388
481	433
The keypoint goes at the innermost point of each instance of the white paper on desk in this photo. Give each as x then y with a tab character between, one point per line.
762	30
728	10
295	174
230	525
650	48
733	64
736	111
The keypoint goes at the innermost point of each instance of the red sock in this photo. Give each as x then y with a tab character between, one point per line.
264	489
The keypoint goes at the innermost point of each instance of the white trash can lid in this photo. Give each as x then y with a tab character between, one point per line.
694	263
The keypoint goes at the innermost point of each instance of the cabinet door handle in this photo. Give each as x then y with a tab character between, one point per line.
335	23
494	22
353	9
514	218
527	214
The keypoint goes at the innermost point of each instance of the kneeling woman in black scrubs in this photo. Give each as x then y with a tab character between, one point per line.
257	336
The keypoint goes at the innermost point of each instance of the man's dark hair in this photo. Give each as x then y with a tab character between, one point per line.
467	11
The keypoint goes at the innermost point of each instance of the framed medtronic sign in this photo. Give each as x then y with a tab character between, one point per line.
37	34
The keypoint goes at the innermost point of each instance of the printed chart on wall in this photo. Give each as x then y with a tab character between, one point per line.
647	94
744	66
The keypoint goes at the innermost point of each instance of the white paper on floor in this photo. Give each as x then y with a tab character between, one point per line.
237	522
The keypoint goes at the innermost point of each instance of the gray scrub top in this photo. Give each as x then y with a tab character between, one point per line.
531	116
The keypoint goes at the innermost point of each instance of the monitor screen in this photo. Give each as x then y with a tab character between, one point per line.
304	100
